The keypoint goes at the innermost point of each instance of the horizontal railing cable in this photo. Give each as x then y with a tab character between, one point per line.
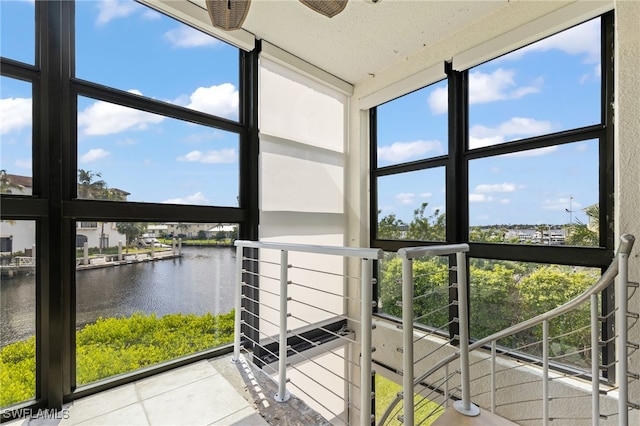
316	344
441	308
334	274
436	331
429	354
308	359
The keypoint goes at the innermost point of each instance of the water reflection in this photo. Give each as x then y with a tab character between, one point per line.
201	281
18	308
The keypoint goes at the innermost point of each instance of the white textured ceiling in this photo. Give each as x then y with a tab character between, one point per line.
365	38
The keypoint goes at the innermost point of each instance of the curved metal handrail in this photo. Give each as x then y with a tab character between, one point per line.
626	244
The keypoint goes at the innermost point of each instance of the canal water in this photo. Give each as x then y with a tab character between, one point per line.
201	281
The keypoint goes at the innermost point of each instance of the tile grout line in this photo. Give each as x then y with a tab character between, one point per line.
141	402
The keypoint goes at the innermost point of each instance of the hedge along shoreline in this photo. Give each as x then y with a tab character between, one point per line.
113	346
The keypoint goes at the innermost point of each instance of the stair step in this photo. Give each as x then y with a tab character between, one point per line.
486	418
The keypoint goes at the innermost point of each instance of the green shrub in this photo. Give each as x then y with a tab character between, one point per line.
112	346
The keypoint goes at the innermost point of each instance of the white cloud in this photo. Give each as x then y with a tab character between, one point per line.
112	9
580	40
534	152
151	14
93	155
187	37
498	85
197	198
219	100
479	198
426	194
439	100
562	204
15	113
504	201
24	164
211	157
496	187
484	88
402	151
103	118
480	136
405	198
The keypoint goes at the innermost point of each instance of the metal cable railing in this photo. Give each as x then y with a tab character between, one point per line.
540	366
304	324
307	334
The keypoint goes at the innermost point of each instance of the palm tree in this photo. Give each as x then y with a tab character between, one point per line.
581	234
183	227
90	188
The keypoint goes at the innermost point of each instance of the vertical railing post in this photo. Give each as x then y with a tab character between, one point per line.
545	372
407	341
366	296
595	362
622	341
238	317
494	354
282	394
464	406
446	386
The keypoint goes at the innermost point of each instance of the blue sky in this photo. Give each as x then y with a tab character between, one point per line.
550	86
130	47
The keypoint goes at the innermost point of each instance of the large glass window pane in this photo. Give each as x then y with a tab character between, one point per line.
172	62
151	292
166	160
411	206
540	196
17	31
504	293
414	126
17	311
546	87
16	137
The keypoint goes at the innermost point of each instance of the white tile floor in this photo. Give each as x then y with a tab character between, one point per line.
197	394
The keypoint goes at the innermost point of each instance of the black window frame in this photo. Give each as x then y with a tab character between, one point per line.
56	210
457	191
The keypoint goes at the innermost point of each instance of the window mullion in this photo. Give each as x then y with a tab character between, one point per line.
456	178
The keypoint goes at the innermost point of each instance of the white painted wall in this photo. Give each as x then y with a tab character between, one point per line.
302	185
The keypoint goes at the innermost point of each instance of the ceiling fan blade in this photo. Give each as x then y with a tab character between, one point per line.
329	8
228	14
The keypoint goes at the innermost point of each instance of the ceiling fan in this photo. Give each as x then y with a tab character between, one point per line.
230	14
